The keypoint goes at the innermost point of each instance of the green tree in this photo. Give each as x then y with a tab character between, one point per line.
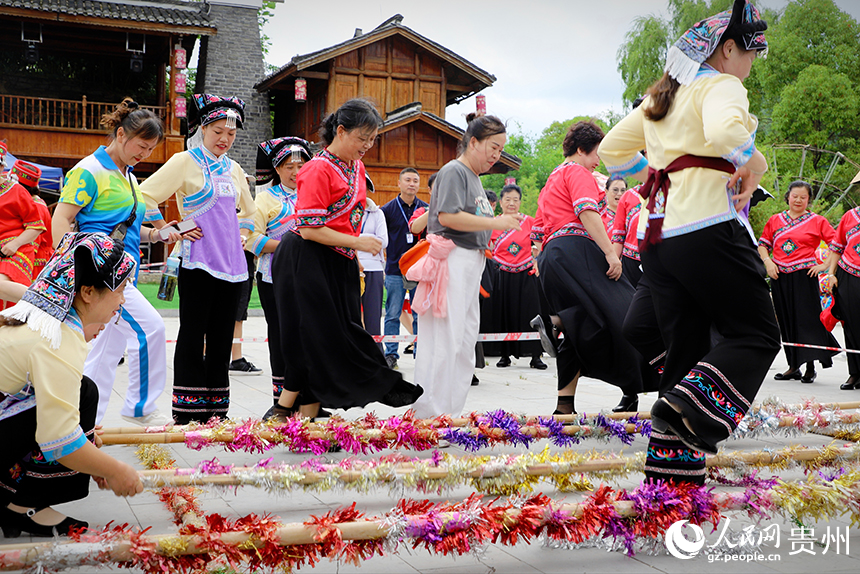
819	109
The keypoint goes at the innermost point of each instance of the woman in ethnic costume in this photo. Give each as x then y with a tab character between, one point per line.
623	234
515	296
48	408
581	276
459	228
792	238
699	134
316	278
278	163
101	194
844	280
615	188
210	189
20	226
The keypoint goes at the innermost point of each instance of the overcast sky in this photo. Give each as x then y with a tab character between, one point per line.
553	59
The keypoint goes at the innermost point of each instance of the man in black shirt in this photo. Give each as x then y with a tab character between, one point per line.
397	212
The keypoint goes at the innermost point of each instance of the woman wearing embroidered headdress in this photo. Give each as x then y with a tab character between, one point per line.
100	194
48	408
278	163
20	226
700	135
210	189
316	280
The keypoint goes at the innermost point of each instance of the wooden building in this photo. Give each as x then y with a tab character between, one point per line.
67	62
410	78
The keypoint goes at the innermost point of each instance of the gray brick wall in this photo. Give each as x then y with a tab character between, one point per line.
233	64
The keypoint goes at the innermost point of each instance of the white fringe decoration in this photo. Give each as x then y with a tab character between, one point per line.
37	320
196	139
680	66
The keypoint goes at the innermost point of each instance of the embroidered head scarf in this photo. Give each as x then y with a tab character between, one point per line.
211	108
48	301
697	44
272	153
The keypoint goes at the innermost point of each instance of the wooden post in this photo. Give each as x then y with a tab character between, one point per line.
171	120
84	116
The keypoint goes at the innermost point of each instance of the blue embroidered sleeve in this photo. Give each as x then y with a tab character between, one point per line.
258	244
743	153
635	165
63	446
152	215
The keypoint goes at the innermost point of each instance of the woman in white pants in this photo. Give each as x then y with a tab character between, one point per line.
459	213
101	195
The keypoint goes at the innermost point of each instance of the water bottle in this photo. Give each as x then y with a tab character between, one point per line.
169	278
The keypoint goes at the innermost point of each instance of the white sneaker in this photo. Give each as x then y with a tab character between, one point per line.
154	419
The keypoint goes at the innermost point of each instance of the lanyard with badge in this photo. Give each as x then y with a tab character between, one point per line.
409	237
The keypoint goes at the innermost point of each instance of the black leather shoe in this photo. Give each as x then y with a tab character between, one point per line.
852	383
792	376
475	380
809	376
664	417
504	362
14	523
628	404
536	363
547	338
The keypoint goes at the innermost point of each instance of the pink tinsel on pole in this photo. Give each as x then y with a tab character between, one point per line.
431	272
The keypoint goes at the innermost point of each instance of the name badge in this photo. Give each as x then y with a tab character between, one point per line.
409	237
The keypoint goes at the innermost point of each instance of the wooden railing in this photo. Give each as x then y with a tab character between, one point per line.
64	114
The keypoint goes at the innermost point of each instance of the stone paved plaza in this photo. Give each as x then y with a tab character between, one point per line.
516	389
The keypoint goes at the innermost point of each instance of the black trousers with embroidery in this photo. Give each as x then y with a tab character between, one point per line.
207	314
712	276
26	478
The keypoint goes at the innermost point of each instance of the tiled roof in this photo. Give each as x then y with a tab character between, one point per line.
171	12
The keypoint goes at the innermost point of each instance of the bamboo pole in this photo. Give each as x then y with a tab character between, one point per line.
188	477
272	436
458	422
463	422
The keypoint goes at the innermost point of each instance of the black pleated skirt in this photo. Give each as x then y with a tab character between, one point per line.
517	303
797	303
327	352
490	310
592	308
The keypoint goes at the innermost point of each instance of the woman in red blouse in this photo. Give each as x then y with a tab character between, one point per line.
787	247
516	291
623	234
316	278
844	280
20	226
581	278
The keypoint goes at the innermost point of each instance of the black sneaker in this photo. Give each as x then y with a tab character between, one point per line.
244	367
392	361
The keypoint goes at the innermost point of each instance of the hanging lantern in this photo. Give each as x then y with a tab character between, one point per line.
179	82
510	181
301	90
481	105
179	107
179	61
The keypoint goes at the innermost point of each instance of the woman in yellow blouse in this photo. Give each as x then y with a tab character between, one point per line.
48	409
700	135
210	189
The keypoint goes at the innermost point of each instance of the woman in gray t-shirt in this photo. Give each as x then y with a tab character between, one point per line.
459	211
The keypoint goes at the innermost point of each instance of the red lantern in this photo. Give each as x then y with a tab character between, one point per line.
481	105
179	81
179	61
510	181
301	90
179	107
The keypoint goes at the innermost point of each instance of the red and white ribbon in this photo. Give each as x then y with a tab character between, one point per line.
412	338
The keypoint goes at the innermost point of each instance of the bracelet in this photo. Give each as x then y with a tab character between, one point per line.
151	230
758	173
